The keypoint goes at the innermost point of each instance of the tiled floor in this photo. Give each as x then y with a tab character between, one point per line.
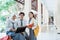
49	36
45	36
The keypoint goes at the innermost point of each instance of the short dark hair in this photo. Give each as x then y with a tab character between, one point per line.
22	13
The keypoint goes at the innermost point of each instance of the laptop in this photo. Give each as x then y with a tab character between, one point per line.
20	29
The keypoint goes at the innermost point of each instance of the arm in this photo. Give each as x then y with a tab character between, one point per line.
16	24
8	23
35	24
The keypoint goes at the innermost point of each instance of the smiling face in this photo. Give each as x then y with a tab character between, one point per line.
21	16
31	15
14	17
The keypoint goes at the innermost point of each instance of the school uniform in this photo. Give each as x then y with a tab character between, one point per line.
13	24
23	23
31	30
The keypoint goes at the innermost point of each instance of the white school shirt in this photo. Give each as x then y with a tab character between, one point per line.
10	25
35	23
19	23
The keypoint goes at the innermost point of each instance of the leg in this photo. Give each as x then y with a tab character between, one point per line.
26	35
12	34
19	36
35	38
32	37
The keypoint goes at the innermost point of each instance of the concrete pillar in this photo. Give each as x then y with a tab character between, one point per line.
45	18
57	16
39	18
27	7
45	27
39	12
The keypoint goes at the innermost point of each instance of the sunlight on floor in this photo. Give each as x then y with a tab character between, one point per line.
49	36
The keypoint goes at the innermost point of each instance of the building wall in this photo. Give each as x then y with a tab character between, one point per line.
45	19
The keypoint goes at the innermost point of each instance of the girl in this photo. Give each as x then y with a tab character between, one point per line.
34	22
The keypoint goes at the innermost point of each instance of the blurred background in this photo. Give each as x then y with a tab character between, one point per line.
48	15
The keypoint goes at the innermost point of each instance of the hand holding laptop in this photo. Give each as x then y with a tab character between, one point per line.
20	29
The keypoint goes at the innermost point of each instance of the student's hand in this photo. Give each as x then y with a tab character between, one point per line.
12	29
30	25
